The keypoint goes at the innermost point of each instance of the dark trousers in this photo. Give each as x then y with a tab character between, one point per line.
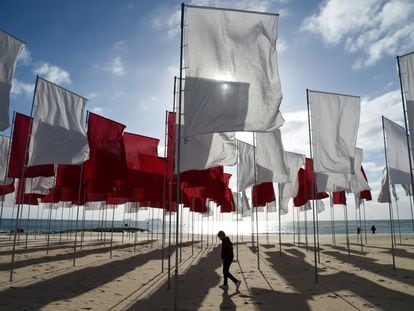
226	271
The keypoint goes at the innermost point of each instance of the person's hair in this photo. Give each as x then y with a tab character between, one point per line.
221	233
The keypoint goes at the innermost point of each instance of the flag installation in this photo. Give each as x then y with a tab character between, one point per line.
10	48
232	81
271	161
58	133
397	153
207	150
335	122
262	194
406	66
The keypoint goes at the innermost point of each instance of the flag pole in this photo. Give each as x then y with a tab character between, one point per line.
7	167
398	218
237	203
255	203
389	201
77	214
294	225
313	190
177	160
22	179
280	222
163	192
365	222
136	227
360	223
306	229
171	188
347	229
407	133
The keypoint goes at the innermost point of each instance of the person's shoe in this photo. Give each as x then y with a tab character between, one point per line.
238	285
224	286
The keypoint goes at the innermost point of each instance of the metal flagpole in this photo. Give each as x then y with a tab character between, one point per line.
299	224
389	203
280	222
398	218
306	228
360	224
313	201
177	160
61	224
408	142
294	226
365	222
237	203
77	213
170	197
48	227
152	226
164	192
330	210
267	224
113	220
192	226
22	179
347	229
136	226
257	214
28	218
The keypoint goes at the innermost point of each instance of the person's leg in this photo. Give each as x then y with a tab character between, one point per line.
226	267
229	274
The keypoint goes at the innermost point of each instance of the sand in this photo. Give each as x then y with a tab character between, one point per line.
134	280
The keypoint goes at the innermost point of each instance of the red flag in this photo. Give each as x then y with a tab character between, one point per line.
18	151
107	155
307	185
262	194
136	145
339	197
5	189
365	194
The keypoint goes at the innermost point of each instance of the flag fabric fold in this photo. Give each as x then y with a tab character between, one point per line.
407	79
246	165
397	153
271	160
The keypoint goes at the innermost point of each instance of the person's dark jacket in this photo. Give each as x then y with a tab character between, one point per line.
226	249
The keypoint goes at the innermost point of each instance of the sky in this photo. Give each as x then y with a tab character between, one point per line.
123	55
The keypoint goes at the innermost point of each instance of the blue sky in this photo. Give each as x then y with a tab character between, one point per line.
122	55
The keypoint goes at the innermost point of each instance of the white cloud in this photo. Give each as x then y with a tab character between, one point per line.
281	45
98	110
19	88
115	66
52	73
24	57
295	132
120	46
370	136
374	27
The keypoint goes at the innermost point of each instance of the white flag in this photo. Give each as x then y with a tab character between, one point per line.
335	122
4	156
397	152
207	150
289	189
39	185
58	134
246	166
271	160
320	206
232	81
358	182
407	78
94	206
10	48
384	195
306	207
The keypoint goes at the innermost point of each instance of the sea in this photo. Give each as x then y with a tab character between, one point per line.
405	226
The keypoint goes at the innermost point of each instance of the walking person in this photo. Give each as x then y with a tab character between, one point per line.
373	229
227	257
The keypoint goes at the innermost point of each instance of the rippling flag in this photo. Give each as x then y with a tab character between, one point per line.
335	122
246	166
58	133
232	81
406	64
6	183
10	48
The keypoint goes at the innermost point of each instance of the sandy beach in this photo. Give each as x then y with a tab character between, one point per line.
134	281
